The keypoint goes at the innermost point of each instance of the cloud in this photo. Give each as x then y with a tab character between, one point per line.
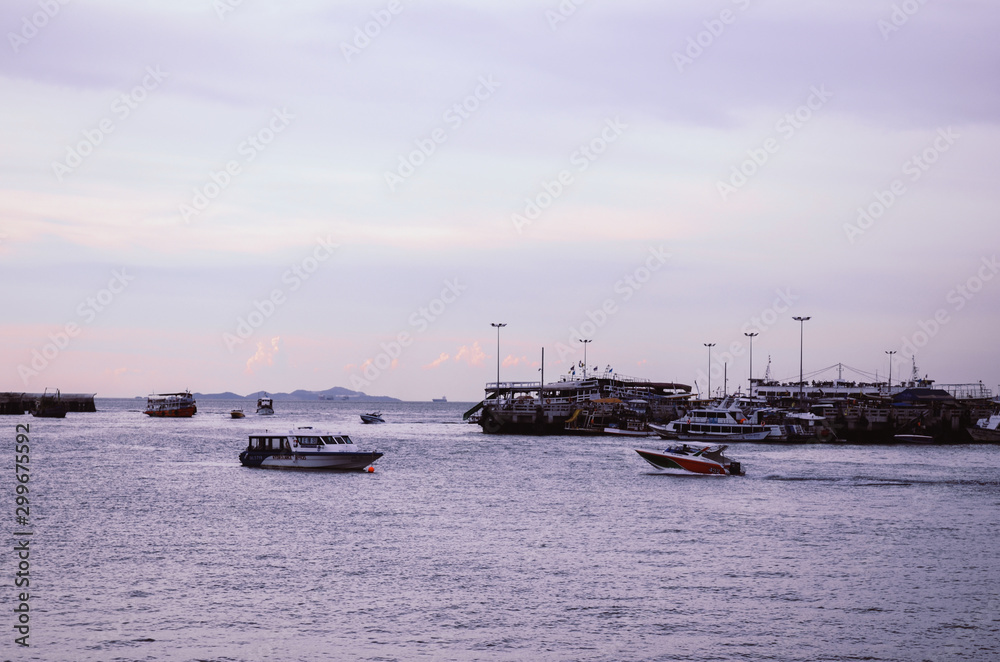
473	355
264	355
512	360
438	361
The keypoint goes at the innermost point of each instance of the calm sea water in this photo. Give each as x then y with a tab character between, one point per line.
153	543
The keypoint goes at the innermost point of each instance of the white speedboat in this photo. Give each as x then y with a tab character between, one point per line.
374	417
265	406
306	448
683	459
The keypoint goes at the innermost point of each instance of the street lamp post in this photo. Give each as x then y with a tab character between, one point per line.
801	321
585	341
710	345
890	352
751	337
498	326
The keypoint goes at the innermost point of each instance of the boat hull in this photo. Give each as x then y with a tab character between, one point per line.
354	461
687	464
181	412
365	418
984	435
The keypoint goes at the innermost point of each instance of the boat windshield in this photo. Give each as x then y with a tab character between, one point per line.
329	439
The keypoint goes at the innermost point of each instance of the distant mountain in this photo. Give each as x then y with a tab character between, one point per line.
337	393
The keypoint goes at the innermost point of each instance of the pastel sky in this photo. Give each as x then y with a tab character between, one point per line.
222	195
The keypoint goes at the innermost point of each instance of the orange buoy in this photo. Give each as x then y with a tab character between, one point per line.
371	469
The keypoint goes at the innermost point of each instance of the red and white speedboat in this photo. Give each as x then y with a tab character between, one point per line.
686	460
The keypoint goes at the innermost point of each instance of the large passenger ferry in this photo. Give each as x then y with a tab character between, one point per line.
605	404
306	448
171	405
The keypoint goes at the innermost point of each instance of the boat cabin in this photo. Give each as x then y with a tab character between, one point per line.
286	442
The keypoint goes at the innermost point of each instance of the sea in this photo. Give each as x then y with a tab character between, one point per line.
149	541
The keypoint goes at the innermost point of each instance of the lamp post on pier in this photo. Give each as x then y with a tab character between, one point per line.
751	336
890	352
801	321
585	341
710	345
498	326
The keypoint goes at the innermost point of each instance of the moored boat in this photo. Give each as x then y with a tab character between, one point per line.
987	430
683	459
265	406
913	439
171	405
237	413
50	406
374	417
306	448
712	426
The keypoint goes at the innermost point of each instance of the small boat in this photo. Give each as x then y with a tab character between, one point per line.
986	429
171	405
265	406
50	406
913	439
441	399
305	448
374	417
684	460
237	413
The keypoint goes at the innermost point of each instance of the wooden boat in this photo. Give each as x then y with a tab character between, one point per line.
50	406
237	413
171	405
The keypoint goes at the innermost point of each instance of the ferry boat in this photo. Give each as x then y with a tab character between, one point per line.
265	406
441	399
574	405
713	425
306	448
50	406
684	459
171	405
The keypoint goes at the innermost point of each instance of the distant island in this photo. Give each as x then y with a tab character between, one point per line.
336	394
